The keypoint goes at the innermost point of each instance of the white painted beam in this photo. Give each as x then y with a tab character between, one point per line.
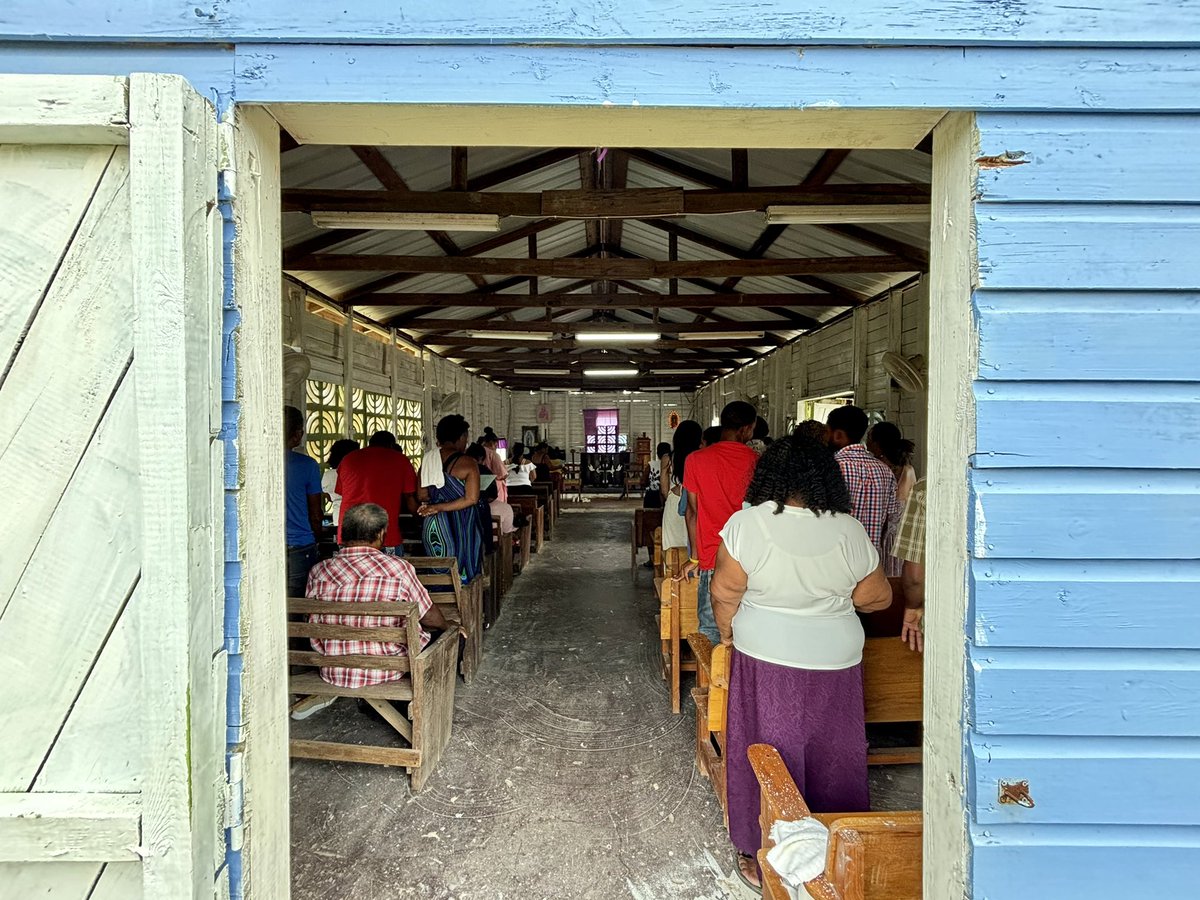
48	109
70	827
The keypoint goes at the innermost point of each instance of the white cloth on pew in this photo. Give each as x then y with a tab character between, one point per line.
799	852
433	472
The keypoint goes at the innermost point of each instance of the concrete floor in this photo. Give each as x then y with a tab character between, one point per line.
567	775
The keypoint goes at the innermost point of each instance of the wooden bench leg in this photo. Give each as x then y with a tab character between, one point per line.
432	706
676	654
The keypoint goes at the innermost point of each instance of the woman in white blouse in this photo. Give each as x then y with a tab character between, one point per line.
337	453
792	569
521	472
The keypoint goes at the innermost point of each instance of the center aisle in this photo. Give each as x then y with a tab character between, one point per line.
567	775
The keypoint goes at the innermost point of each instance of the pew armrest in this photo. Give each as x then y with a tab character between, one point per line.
702	649
780	797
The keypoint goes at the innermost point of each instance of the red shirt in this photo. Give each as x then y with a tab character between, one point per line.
718	476
377	475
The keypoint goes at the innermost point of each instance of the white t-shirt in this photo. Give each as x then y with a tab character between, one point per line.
801	570
518	475
328	483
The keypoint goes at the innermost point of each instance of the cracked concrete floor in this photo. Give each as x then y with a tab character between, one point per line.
567	775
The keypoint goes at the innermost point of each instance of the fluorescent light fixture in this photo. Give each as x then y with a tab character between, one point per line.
518	336
617	337
541	371
397	221
611	373
727	335
678	371
661	389
854	212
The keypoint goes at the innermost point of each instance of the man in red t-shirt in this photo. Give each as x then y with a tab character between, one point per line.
716	479
380	473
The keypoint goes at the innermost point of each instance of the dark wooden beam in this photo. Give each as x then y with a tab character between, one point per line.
578	327
820	173
320	242
494	344
386	174
458	168
604	269
484	246
739	168
520	169
628	203
882	242
616	177
607	300
681	169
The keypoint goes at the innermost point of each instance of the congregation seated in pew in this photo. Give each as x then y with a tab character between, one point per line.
361	572
792	568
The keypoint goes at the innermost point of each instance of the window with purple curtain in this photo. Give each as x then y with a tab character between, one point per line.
600	430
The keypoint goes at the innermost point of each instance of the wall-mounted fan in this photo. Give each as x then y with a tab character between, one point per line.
907	371
445	404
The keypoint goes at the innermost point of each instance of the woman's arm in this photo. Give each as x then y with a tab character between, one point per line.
664	478
726	589
873	593
532	473
466	471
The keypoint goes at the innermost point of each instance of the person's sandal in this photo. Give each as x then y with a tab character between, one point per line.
747	870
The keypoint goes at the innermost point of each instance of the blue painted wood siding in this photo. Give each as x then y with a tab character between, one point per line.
1084	650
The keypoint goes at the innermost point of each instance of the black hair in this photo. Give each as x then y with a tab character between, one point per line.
293	421
895	449
686	442
339	450
518	452
737	415
383	439
363	523
801	469
811	429
476	452
849	419
662	450
488	437
712	435
761	429
451	428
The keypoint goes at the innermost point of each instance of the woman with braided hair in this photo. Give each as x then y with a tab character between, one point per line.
792	568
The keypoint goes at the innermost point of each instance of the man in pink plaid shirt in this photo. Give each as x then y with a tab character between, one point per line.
362	573
873	499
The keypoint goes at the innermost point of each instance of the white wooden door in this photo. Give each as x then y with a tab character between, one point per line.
111	663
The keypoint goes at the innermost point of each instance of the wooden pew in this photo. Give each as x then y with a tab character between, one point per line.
504	559
642	533
545	493
677	618
871	856
461	604
531	506
893	679
428	689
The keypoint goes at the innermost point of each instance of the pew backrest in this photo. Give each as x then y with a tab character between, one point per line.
300	625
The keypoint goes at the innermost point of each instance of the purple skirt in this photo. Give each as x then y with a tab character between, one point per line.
814	718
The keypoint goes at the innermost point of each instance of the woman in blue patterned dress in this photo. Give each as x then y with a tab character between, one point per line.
448	500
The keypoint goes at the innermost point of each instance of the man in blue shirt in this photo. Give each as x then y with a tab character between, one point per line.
302	488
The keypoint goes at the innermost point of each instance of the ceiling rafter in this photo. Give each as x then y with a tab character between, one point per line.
386	174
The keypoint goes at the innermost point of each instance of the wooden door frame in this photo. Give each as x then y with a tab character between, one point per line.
951	434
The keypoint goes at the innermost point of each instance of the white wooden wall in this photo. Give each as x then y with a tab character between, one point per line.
398	374
841	357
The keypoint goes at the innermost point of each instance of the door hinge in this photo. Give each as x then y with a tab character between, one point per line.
235	797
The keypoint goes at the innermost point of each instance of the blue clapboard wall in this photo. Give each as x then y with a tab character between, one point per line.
1085	604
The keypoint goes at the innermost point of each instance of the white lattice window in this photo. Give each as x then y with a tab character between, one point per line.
372	413
324	423
410	427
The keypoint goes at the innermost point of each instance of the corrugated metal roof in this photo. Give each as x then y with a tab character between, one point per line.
428	169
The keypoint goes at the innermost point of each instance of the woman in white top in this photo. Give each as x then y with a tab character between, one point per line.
685	441
521	472
792	569
337	453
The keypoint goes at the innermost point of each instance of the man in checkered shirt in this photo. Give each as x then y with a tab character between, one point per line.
362	573
910	547
872	485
